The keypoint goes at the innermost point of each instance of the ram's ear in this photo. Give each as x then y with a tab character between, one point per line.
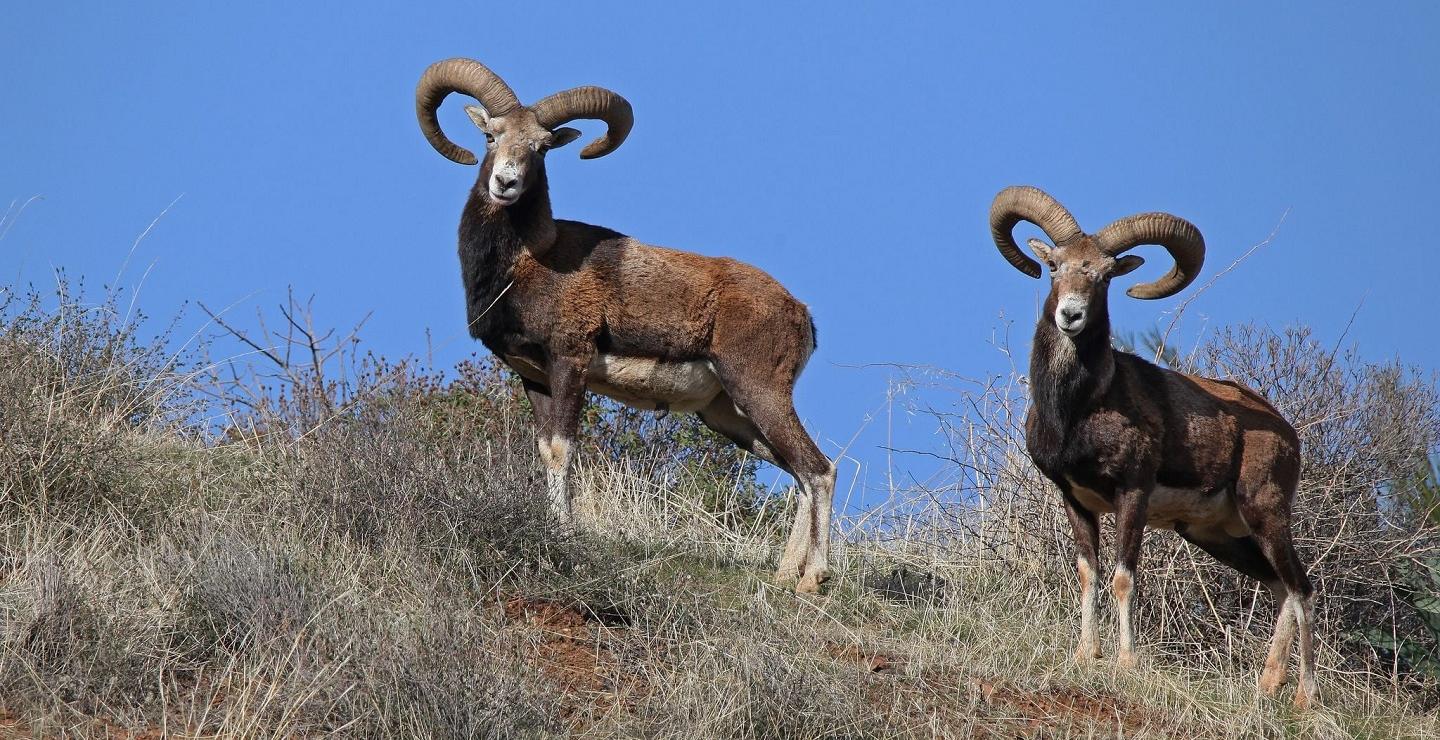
1126	265
1041	249
562	136
479	116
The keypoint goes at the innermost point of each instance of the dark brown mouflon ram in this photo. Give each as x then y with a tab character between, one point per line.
1208	458
570	306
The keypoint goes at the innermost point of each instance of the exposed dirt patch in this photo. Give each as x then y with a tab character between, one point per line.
12	727
1065	707
576	651
989	707
570	652
874	662
117	732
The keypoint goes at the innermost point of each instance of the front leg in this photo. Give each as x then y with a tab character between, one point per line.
1131	504
557	425
1086	528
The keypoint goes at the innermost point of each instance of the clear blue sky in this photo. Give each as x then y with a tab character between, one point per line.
851	152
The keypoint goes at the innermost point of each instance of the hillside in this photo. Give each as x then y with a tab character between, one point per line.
193	547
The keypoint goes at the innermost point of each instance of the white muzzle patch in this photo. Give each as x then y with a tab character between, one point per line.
506	183
1071	313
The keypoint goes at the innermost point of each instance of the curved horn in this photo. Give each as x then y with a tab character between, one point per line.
1178	236
464	76
1024	203
589	102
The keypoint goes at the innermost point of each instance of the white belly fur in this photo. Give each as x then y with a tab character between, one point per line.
1171	505
643	382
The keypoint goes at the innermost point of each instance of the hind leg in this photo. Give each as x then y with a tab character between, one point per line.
767	403
1296	619
1309	688
822	499
723	416
1265	504
1245	555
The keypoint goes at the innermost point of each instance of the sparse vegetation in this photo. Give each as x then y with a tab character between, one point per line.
344	545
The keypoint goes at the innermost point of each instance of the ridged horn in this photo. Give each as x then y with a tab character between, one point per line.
463	76
1024	203
589	102
1179	237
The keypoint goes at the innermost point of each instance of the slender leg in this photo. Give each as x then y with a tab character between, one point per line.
722	415
815	478
557	430
1277	657
1086	529
1296	619
1306	693
1264	494
541	402
1130	513
807	553
768	405
758	356
1245	555
797	546
817	557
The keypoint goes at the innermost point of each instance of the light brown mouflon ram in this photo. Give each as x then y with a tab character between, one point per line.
570	306
1210	459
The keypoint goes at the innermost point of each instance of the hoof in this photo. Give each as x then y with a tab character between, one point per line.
787	576
1127	661
811	583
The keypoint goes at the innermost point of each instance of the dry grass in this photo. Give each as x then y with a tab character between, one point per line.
377	563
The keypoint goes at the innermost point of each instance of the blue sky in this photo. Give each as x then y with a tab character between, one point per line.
850	150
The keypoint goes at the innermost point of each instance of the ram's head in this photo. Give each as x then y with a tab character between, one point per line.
517	136
1081	265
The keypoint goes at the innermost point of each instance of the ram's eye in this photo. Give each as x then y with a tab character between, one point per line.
489	139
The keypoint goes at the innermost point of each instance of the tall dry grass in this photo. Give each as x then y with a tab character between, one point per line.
200	548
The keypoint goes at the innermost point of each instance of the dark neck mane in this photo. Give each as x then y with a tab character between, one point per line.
1067	377
491	241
